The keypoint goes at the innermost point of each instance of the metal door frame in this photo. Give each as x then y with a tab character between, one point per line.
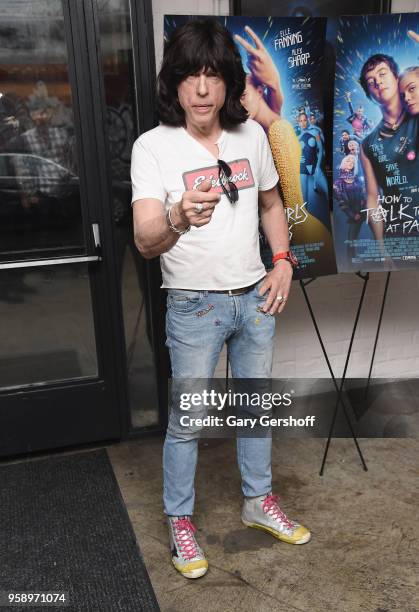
145	119
31	406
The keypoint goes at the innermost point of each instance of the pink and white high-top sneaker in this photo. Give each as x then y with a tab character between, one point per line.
187	556
264	513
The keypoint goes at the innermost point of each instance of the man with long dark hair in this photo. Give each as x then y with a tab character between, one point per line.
197	181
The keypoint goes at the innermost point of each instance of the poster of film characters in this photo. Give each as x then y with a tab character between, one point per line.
375	143
283	58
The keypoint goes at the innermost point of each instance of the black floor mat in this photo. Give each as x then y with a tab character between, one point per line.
64	528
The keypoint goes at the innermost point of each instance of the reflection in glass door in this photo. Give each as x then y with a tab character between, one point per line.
39	185
56	326
116	47
49	333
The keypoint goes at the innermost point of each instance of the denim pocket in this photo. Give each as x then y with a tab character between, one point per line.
256	288
184	301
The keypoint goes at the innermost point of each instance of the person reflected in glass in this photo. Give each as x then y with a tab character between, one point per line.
13	116
44	164
9	124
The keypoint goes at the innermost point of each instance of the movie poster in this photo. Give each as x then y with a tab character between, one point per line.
375	143
283	59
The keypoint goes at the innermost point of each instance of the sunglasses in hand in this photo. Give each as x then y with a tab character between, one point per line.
225	173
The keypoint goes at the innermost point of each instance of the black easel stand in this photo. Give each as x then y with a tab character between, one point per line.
131	346
377	334
339	390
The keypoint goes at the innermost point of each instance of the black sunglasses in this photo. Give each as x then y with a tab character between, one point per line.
224	173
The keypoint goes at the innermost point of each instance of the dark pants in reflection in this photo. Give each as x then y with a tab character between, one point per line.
13	288
124	234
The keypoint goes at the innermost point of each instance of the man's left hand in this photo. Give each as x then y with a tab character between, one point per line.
277	282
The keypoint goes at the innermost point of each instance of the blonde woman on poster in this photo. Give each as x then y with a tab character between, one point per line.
265	108
409	89
263	99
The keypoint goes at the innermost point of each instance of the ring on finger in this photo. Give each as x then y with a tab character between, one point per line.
280	298
198	208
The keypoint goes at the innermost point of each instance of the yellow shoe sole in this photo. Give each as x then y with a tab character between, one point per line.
196	569
301	536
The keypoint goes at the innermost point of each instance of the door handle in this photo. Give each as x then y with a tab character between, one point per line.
96	235
56	261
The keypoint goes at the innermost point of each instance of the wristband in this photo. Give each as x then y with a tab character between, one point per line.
173	227
288	256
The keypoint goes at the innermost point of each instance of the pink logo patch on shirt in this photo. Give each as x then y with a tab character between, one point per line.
411	155
241	176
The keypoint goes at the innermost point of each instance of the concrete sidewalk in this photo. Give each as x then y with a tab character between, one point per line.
363	555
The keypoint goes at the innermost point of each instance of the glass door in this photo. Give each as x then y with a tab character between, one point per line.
59	323
127	70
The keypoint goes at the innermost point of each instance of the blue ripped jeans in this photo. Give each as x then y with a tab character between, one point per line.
197	325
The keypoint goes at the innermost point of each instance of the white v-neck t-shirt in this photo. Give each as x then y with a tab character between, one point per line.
224	254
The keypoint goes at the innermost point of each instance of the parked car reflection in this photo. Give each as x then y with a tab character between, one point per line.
38	196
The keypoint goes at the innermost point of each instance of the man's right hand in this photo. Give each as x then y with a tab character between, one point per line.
184	212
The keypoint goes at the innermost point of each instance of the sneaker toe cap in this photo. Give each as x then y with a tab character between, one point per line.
301	535
194	569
